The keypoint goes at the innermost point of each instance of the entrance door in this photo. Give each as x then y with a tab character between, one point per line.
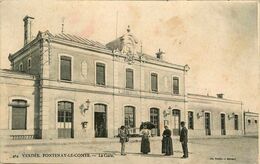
155	119
207	124
65	119
176	114
223	124
100	116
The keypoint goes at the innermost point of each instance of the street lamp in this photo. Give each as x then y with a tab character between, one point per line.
167	112
230	116
84	108
200	114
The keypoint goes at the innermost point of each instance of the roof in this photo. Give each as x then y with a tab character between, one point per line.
77	39
89	44
16	74
213	97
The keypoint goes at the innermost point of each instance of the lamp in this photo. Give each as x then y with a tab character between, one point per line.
200	114
84	124
166	112
84	107
230	116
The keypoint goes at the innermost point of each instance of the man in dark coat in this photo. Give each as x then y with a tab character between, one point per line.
167	142
184	140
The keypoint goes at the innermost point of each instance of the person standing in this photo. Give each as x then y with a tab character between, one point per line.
167	142
145	143
184	140
123	134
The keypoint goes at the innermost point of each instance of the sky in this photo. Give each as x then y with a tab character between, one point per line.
218	40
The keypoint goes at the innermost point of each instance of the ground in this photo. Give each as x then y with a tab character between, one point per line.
218	150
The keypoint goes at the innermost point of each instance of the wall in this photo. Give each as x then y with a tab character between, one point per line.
14	85
251	128
215	107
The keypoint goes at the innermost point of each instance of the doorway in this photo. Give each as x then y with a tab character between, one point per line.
100	120
207	124
176	114
223	124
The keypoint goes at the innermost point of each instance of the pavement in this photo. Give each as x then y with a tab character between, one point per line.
201	150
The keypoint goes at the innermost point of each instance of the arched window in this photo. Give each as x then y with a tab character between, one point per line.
190	120
19	114
236	122
129	116
65	119
155	119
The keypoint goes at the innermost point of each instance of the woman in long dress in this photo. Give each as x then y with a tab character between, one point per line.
167	142
145	143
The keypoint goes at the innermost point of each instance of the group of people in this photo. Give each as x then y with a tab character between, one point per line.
167	146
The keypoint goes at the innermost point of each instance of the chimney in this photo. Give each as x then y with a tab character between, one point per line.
28	21
159	54
220	95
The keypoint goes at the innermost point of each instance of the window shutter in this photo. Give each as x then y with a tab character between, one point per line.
154	82
100	74
18	118
175	85
65	70
129	78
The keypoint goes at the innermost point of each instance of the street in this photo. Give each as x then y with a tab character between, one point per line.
222	150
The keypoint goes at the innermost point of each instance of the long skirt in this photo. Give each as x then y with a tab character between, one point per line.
145	145
167	146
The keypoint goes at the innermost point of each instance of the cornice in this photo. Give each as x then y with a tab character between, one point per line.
112	93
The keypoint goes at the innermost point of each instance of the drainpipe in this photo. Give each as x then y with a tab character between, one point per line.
186	69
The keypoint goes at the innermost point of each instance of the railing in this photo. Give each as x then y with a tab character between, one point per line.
135	132
22	137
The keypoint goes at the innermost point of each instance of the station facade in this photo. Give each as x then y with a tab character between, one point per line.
66	86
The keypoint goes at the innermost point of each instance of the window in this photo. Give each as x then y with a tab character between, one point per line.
129	78
29	63
65	111
249	121
154	82
236	122
19	114
155	119
100	74
130	116
21	67
256	121
175	81
190	120
65	68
